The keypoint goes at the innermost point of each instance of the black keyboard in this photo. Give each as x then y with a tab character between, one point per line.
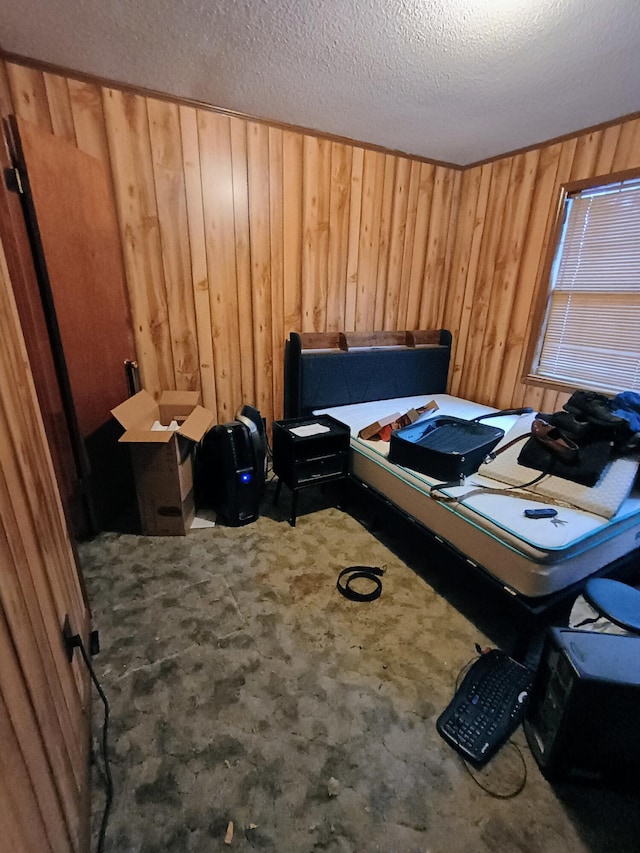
487	707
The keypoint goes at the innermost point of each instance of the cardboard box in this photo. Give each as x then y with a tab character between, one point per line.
394	421
163	457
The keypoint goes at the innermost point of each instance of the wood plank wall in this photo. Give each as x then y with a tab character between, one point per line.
44	700
507	212
235	233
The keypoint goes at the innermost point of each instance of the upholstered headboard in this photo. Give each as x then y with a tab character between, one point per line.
327	369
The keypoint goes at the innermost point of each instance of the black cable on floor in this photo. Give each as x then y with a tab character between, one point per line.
105	754
497	794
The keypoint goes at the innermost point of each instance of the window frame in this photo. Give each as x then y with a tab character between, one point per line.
543	286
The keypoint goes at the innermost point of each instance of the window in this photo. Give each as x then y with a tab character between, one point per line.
591	327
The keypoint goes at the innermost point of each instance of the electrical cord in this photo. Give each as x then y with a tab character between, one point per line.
76	642
497	794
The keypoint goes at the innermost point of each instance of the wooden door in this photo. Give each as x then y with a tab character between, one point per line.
22	274
70	209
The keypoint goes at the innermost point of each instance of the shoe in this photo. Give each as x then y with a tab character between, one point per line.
553	440
572	425
596	407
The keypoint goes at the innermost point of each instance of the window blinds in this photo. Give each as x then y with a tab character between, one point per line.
592	333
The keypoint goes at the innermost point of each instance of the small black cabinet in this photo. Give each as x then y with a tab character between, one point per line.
309	451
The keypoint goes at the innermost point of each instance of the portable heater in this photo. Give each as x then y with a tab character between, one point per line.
231	470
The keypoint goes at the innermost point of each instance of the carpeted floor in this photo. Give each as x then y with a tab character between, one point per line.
245	689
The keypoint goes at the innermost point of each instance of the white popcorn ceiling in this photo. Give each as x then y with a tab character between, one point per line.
451	80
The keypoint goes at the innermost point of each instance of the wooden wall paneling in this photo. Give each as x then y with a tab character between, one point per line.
608	144
15	836
355	218
50	689
198	253
57	94
627	154
407	249
410	318
372	188
85	101
239	164
29	95
375	254
384	238
218	204
434	283
130	154
506	271
260	231
40	582
292	231
451	196
26	447
479	204
42	592
533	250
6	99
340	188
18	722
310	225
408	259
21	708
393	284
500	177
17	792
536	396
169	183
277	269
458	306
316	206
585	156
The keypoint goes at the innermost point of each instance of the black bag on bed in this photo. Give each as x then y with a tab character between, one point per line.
578	442
445	447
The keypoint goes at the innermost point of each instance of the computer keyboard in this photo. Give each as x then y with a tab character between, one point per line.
487	707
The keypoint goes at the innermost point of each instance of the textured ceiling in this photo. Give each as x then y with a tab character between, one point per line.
451	80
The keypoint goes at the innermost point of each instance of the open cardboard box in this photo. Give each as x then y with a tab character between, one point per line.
163	458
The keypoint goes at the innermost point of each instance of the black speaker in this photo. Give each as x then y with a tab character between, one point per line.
229	479
582	719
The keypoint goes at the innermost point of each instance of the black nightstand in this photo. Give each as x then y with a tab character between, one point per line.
307	452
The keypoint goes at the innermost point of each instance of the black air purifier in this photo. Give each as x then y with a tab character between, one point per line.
230	477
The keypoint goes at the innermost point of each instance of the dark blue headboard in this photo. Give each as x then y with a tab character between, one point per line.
336	369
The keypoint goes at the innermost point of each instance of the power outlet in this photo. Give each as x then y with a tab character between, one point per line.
69	639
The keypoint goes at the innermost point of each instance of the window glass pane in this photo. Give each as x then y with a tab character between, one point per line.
592	330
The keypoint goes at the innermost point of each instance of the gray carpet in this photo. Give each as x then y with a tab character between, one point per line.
245	689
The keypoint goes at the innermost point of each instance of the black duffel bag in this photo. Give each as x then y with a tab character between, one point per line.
445	447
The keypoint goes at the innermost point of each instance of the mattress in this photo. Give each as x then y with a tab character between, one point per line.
528	557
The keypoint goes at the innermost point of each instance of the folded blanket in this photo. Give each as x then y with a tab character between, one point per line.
605	498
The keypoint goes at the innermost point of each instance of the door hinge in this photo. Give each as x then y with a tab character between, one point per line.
12	180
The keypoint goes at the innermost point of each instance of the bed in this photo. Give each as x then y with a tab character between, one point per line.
359	378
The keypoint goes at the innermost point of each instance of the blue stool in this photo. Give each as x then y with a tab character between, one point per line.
618	602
